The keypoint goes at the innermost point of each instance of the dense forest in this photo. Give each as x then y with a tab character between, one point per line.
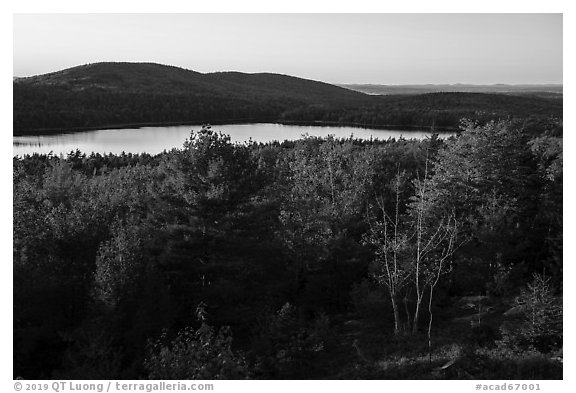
114	95
309	259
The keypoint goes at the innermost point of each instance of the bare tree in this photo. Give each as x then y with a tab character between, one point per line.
435	243
445	247
390	243
414	248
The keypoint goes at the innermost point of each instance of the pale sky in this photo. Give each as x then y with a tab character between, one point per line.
334	48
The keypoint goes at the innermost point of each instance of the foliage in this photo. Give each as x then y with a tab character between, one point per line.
489	178
539	323
286	347
110	250
199	353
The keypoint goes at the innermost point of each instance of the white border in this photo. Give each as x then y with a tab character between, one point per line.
263	6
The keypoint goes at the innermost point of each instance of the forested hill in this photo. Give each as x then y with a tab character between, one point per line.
119	94
161	79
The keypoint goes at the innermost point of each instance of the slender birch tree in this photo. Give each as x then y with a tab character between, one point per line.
435	243
390	242
412	249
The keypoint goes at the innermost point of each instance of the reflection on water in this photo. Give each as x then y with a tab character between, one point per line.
154	140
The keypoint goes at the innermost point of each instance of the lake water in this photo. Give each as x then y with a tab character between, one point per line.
154	140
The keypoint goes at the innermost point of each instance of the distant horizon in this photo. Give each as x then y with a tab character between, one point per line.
297	76
453	84
383	49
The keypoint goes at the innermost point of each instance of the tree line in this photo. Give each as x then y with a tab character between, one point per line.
52	108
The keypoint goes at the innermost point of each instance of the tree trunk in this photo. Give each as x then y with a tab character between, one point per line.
396	316
407	312
430	326
416	315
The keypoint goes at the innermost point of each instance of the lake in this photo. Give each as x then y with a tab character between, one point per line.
154	140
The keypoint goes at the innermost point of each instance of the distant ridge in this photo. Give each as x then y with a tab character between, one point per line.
548	90
116	95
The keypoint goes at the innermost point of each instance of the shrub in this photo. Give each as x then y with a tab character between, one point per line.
196	354
286	346
539	323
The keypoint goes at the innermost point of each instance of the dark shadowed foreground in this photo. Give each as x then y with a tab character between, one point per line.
319	258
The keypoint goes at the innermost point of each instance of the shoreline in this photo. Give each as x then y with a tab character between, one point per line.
57	131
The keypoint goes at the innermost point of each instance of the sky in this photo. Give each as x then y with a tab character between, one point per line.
334	48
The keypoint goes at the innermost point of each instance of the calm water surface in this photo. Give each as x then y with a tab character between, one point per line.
154	140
